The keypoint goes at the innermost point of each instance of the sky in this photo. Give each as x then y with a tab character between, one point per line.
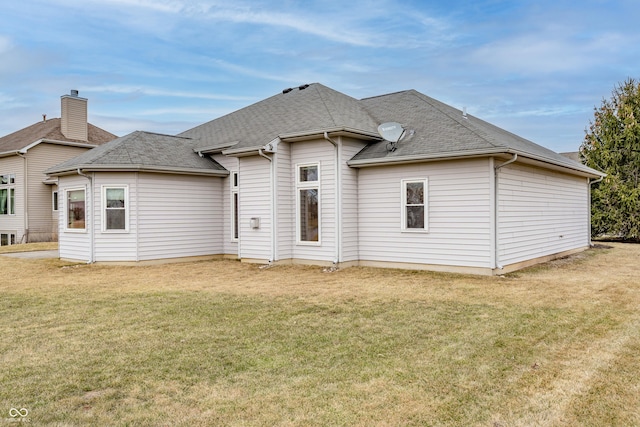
535	68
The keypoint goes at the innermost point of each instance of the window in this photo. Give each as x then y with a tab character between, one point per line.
414	205
7	194
308	197
7	239
234	206
75	209
54	201
115	215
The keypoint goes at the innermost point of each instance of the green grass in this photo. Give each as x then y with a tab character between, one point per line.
130	350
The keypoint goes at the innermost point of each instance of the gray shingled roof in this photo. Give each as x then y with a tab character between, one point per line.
143	151
437	130
50	130
312	108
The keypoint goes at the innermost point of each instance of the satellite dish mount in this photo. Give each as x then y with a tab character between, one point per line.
391	132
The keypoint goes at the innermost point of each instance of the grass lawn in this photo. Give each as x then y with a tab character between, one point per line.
226	343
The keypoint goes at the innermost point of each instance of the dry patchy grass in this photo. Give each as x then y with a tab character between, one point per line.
226	343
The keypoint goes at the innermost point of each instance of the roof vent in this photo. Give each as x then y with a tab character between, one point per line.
287	90
464	112
303	87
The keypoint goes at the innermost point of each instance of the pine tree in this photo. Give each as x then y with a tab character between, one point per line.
612	145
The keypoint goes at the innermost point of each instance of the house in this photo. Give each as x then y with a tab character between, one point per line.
305	176
28	200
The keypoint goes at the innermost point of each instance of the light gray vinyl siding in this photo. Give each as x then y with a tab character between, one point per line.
349	195
231	164
322	152
255	202
540	212
14	223
285	189
115	245
42	220
75	245
179	216
459	214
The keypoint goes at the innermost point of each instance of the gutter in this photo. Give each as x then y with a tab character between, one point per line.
25	191
138	168
272	203
90	210
496	218
338	200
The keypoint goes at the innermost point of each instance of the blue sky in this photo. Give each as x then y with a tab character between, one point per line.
535	68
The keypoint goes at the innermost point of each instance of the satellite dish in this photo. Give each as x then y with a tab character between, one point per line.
391	131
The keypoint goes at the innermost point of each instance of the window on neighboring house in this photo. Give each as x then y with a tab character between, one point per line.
308	198
54	201
7	194
114	200
76	209
7	239
414	205
235	222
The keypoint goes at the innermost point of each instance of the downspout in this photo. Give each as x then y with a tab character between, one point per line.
337	199
589	206
496	208
92	222
25	191
273	205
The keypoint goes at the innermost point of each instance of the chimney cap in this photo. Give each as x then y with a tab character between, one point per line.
74	92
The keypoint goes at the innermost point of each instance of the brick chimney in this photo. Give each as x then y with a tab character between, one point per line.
74	116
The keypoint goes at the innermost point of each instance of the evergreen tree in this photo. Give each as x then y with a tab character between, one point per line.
612	145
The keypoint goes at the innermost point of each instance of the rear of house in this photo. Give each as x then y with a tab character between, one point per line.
305	177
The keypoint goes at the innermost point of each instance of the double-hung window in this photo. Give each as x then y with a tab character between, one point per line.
308	203
234	206
7	194
115	212
76	209
414	205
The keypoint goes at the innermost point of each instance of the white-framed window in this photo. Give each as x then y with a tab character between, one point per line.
7	194
415	210
308	203
115	208
235	207
7	238
76	209
54	201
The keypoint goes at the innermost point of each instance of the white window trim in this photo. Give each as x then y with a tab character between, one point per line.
308	185
234	190
103	209
403	208
10	186
66	210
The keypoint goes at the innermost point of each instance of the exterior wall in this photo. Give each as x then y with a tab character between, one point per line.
179	216
349	194
255	202
459	214
286	202
14	223
43	224
540	212
74	245
115	245
230	246
323	152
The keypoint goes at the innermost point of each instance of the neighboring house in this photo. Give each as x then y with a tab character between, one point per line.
305	177
28	200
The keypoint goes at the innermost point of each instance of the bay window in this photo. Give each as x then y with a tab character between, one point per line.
76	209
115	213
